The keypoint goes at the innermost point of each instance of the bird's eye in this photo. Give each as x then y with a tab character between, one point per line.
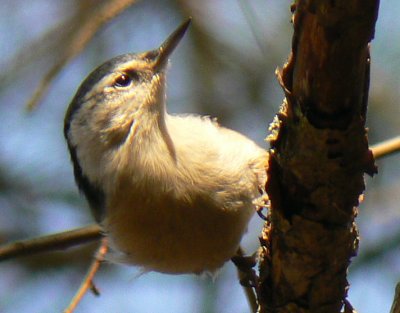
123	80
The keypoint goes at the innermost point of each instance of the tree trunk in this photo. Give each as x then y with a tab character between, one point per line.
319	154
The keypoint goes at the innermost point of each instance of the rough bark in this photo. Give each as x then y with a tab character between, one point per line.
319	154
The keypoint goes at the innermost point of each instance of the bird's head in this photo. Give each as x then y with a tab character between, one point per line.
125	92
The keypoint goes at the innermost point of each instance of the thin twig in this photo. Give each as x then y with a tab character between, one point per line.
251	19
348	308
386	147
93	22
56	241
244	274
396	301
87	282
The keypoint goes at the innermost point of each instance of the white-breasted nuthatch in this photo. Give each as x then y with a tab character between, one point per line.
174	193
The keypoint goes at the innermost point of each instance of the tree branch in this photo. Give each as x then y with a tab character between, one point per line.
87	282
396	301
386	148
86	30
247	276
50	242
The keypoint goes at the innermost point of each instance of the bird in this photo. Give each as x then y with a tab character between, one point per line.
173	193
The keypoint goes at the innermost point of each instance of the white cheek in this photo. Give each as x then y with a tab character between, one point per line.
94	127
87	150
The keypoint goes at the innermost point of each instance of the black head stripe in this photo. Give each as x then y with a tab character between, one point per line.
93	78
94	195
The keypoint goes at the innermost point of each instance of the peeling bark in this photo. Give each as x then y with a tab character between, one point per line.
318	156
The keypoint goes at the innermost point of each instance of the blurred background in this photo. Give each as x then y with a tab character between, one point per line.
224	68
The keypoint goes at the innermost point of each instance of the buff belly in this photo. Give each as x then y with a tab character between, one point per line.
164	236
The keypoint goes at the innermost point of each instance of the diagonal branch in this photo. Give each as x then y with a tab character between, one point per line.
56	241
396	301
86	31
386	148
87	282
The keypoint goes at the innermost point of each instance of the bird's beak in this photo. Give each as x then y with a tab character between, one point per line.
169	45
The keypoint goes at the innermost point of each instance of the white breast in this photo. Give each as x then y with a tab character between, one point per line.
186	215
